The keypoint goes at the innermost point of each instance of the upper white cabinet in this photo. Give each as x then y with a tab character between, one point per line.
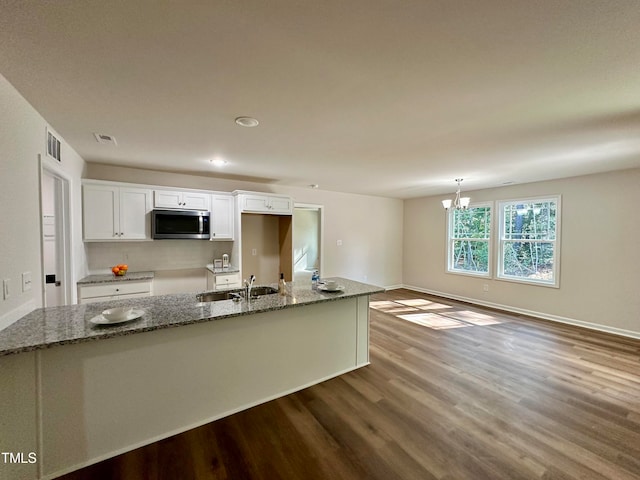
116	213
265	203
182	200
222	213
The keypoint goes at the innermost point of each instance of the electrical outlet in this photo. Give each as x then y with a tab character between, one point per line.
5	288
365	278
26	281
339	243
485	287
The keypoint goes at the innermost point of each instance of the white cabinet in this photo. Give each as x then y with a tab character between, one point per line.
182	200
113	291
265	203
222	213
116	213
220	281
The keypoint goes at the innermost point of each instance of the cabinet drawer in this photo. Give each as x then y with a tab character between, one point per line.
228	280
110	289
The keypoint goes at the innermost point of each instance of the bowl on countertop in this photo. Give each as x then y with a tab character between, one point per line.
120	270
117	314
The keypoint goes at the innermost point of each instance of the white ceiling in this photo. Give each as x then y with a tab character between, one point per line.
393	98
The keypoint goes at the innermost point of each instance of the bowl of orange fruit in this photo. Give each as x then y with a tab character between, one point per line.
120	270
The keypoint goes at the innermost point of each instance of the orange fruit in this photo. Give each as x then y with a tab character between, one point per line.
115	270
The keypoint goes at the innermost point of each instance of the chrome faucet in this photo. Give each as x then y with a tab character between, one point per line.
247	287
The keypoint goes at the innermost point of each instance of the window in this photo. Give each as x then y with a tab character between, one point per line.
529	246
468	240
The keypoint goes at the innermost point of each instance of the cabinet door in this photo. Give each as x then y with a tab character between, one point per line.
135	205
100	211
195	201
254	203
280	205
167	199
222	217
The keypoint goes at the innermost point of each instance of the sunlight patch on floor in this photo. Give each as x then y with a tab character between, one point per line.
433	320
439	320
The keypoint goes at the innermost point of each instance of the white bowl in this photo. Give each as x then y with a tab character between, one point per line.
118	313
330	284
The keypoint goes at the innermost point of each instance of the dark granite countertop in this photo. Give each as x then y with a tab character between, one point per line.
47	327
111	278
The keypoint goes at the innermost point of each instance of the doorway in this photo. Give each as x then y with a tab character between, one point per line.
55	241
307	241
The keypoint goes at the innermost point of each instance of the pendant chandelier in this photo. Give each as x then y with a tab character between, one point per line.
458	203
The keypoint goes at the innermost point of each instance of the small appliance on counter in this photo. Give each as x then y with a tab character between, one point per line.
225	261
217	263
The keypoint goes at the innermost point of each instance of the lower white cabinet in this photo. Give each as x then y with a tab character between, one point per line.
220	281
113	291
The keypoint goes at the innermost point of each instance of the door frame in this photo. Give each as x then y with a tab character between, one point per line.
63	228
320	209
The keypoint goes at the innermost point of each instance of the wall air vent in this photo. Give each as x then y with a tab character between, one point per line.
105	139
53	146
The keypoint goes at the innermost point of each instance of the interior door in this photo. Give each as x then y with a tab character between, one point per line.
52	240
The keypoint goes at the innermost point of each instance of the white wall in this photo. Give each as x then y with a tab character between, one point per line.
599	276
22	138
370	227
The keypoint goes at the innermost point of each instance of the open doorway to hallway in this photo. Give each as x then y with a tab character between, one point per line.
55	239
307	241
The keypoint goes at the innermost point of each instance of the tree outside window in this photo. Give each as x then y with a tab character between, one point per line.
468	242
529	248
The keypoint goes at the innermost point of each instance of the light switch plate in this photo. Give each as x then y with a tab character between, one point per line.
26	281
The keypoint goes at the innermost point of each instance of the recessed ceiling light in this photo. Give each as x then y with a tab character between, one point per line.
218	162
247	122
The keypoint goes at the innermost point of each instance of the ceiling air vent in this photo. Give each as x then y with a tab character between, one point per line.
105	139
53	146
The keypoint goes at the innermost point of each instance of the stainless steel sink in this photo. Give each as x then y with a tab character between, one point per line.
230	294
213	296
259	291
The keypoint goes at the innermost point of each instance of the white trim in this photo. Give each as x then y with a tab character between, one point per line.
16	314
394	287
532	313
197	424
449	242
53	168
557	245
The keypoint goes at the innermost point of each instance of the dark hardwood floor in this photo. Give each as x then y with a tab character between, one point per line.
483	395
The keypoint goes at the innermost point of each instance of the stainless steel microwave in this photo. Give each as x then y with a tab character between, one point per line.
178	224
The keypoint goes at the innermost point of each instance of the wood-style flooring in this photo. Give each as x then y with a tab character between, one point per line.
453	392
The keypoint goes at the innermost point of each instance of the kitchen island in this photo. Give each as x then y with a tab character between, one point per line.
76	393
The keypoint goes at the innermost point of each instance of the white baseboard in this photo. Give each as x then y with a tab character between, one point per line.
532	313
16	314
394	287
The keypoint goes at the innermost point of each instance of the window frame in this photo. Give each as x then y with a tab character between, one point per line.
502	241
449	268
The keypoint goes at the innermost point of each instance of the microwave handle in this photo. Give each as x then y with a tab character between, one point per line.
200	224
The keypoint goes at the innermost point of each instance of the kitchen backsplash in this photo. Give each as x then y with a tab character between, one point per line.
156	255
